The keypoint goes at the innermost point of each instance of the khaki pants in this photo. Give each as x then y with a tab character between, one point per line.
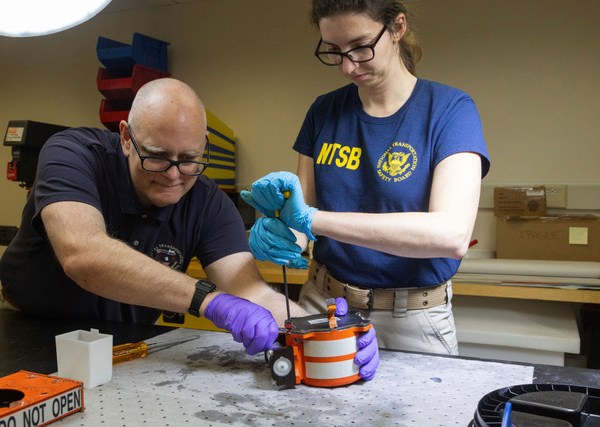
429	330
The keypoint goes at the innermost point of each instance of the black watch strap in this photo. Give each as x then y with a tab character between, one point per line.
203	288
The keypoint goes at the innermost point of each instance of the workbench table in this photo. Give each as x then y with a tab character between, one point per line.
212	382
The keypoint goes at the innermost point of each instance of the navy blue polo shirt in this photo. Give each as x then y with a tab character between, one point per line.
87	165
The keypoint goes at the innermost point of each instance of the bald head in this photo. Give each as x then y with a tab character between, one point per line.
169	122
163	104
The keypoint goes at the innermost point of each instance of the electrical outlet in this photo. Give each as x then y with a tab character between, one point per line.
556	196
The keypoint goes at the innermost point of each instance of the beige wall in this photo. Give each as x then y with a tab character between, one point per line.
532	67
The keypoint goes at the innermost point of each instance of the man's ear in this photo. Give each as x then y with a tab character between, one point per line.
124	138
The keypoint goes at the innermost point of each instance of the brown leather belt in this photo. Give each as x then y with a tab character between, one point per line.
373	298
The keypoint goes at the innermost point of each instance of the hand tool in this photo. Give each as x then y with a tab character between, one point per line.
132	351
286	195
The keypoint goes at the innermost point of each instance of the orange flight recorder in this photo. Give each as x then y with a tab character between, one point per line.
30	399
318	350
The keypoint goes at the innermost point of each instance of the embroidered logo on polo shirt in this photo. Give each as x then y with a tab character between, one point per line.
168	255
397	163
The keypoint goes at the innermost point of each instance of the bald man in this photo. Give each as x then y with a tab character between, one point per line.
114	219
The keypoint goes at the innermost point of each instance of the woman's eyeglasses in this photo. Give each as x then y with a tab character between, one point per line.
358	54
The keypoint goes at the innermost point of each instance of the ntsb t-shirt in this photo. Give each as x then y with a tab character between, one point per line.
379	165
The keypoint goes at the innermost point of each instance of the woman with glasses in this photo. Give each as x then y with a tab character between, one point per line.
388	181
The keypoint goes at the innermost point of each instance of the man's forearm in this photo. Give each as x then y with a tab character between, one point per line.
111	269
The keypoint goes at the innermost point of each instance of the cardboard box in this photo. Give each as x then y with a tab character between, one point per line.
520	201
562	237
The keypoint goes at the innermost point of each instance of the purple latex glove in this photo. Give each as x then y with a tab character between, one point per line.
341	306
367	356
249	323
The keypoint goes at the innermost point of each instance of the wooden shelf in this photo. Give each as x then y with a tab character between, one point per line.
272	274
527	292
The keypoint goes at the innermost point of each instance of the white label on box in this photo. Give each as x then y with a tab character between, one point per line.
14	134
578	235
47	411
532	192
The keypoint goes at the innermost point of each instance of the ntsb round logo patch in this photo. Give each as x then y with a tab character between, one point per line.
397	163
168	255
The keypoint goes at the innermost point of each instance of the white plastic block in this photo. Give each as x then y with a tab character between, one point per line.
85	356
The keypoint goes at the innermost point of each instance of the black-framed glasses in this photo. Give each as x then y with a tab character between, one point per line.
160	164
358	54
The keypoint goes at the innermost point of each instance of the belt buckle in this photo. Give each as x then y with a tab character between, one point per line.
371	297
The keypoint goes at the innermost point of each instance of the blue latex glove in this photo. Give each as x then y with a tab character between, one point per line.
249	323
266	193
267	196
367	356
297	214
271	240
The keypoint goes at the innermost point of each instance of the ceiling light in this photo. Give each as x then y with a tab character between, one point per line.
27	18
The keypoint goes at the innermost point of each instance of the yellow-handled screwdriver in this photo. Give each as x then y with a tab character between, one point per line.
137	350
286	195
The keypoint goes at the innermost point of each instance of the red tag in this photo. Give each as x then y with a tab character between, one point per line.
11	171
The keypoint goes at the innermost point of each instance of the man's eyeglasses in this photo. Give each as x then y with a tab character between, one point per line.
160	164
358	54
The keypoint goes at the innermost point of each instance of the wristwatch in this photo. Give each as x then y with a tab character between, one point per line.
203	288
